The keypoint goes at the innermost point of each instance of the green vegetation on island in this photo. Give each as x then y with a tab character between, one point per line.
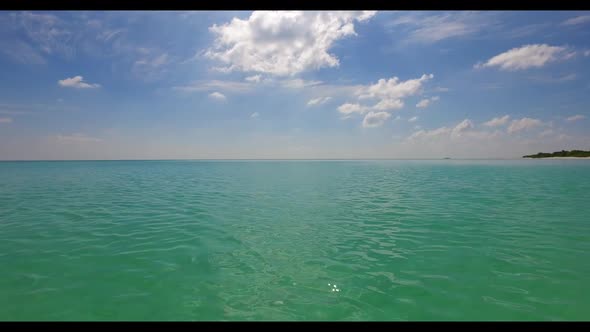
562	153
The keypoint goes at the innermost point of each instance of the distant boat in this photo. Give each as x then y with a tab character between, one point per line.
446	158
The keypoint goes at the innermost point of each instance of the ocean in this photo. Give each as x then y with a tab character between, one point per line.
295	240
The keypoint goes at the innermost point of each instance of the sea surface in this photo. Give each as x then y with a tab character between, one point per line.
295	240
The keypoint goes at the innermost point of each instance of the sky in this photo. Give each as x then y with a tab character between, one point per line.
282	85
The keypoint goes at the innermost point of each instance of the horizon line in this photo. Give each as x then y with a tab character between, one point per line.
259	159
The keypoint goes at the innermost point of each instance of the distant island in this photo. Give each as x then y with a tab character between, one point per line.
561	154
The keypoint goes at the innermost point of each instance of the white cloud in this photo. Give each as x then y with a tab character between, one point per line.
255	115
77	82
389	104
413	119
426	102
527	56
217	95
495	122
577	20
77	138
349	108
462	127
375	119
523	124
393	88
282	42
421	134
587	53
423	103
389	95
254	78
5	120
576	118
318	101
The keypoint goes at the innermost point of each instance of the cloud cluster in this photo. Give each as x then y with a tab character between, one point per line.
523	124
385	95
282	42
217	95
467	129
77	82
375	119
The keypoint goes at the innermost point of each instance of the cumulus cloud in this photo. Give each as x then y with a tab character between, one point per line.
583	19
499	121
318	101
575	118
282	42
413	119
375	119
523	124
465	140
426	102
77	82
217	95
385	95
389	104
5	120
349	108
255	115
463	126
393	88
527	56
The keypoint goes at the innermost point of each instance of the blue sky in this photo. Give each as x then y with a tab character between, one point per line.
150	85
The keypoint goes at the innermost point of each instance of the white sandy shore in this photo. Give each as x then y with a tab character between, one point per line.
565	158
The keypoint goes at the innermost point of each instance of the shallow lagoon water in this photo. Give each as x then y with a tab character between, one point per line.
269	240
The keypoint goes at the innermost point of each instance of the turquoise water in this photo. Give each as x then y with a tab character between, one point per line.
268	240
